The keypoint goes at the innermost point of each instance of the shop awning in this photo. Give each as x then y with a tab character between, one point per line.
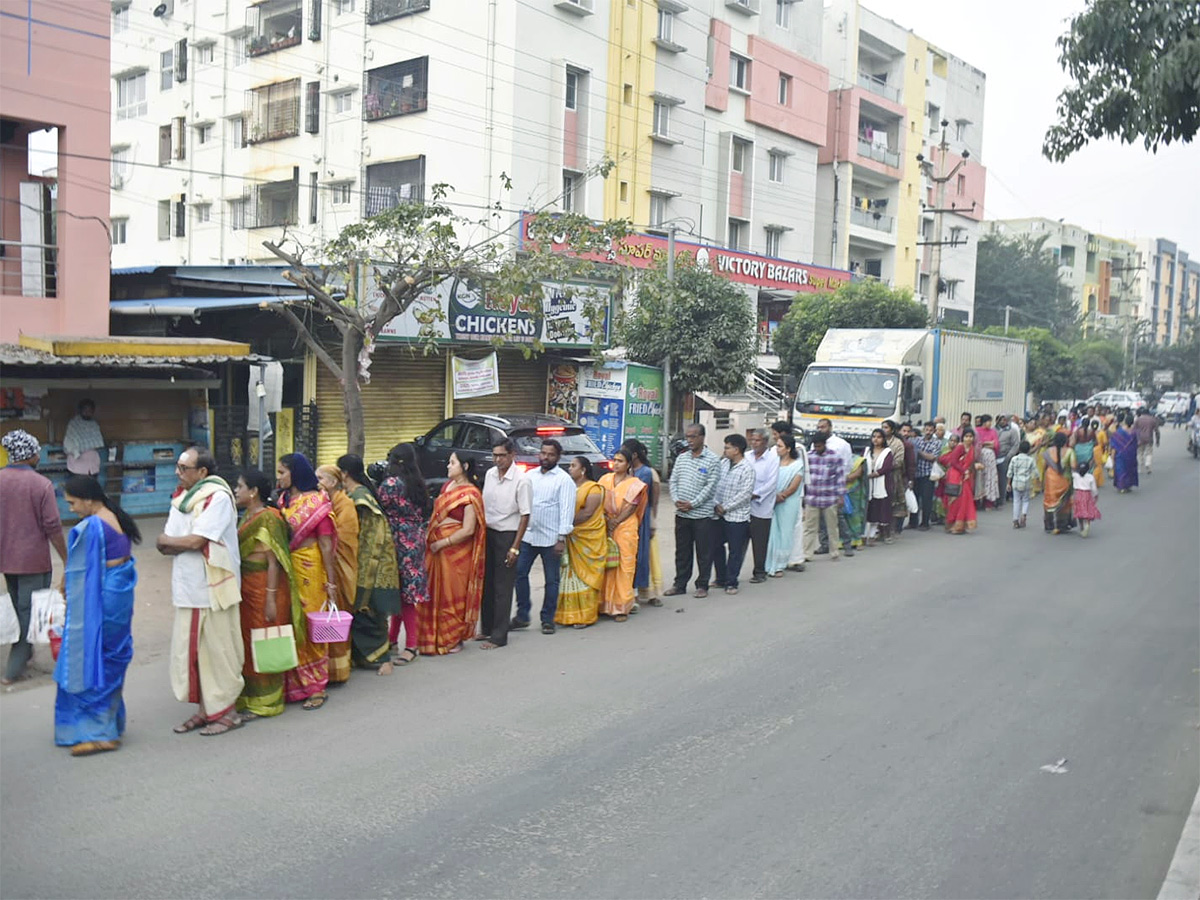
117	351
193	306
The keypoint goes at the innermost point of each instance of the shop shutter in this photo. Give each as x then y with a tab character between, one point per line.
406	397
522	386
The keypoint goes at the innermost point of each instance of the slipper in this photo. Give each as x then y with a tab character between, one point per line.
225	724
621	618
402	660
196	721
314	702
654	601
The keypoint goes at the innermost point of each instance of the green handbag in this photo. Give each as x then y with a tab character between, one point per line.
613	559
273	650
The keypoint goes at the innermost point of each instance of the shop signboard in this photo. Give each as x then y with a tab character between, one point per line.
644	409
619	401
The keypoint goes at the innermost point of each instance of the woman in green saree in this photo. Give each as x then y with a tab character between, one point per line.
856	490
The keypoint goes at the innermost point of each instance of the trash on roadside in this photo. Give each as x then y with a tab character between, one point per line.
1058	768
681	609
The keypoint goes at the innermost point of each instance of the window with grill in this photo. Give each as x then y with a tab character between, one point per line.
180	216
396	90
274	25
383	10
181	60
392	183
275	111
312	107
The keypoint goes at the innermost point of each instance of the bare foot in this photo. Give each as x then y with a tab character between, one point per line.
385	669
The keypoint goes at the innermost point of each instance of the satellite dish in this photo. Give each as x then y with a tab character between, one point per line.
160	10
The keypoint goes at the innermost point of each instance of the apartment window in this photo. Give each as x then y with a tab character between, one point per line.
785	90
397	90
131	96
275	25
120	22
343	102
166	70
658	210
277	202
960	129
179	131
239	49
383	10
935	117
274	111
783	13
205	53
340	193
627	94
951	286
737	234
312	107
120	229
164	145
960	185
181	59
164	220
121	157
741	150
739	72
203	213
623	192
204	134
237	132
923	285
666	25
312	197
341	7
392	183
773	238
958	236
775	168
662	119
572	188
572	89
237	214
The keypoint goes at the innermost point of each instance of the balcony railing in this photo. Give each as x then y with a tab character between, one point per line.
867	219
383	10
870	151
28	270
876	85
263	44
384	104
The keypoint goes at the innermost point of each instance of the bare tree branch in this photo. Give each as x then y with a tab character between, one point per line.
307	336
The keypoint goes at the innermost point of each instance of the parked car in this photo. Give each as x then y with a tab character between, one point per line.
473	435
1131	400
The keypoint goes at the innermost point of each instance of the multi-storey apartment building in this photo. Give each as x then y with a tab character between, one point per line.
876	204
1168	289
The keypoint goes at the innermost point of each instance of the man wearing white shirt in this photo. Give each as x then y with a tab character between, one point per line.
551	519
840	448
507	502
765	462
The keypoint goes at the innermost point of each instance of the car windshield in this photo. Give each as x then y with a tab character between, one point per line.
573	442
857	390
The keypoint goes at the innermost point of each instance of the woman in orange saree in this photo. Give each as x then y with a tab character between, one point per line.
345	518
624	505
267	598
454	559
309	515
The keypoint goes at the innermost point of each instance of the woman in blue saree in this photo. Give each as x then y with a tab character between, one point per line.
1123	446
787	505
97	642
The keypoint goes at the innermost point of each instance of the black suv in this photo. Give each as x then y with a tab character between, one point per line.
474	435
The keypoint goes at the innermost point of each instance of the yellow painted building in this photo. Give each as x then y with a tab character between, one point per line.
631	61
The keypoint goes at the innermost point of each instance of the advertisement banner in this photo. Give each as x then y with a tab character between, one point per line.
562	390
644	409
475	377
985	384
602	406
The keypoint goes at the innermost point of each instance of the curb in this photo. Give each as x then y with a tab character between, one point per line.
1183	876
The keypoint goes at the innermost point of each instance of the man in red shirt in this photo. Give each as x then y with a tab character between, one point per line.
29	524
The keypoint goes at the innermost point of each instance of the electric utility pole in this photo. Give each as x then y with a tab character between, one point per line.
666	449
939	211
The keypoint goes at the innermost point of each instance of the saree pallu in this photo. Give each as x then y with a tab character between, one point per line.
455	573
346	521
311	676
641	575
263	693
583	564
618	594
1057	488
1100	457
1125	465
97	643
783	519
959	464
378	594
857	492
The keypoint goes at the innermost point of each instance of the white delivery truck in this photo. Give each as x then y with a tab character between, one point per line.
861	376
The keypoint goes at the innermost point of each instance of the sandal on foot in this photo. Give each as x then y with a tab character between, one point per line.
196	721
315	702
223	725
621	618
403	660
248	716
654	601
580	626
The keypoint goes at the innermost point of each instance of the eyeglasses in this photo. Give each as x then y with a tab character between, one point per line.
180	467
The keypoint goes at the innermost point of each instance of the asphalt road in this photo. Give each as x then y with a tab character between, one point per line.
874	727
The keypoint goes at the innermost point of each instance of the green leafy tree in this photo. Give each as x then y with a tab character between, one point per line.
1135	72
703	322
408	251
859	304
1020	273
1098	364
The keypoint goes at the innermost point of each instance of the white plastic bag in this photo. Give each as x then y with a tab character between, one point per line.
10	627
936	472
910	500
46	609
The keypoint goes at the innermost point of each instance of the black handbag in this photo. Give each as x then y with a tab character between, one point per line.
953	488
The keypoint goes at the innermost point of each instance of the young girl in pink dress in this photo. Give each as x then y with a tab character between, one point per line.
1084	503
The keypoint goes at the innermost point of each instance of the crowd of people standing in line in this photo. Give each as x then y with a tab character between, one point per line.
330	538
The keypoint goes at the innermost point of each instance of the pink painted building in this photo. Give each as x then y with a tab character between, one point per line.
54	237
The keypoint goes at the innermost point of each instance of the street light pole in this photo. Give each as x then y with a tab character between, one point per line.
666	440
1007	310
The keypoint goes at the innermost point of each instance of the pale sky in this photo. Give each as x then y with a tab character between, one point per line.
1116	189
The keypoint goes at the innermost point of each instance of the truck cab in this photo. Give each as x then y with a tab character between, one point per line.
856	398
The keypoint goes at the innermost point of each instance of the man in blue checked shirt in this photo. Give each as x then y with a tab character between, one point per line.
735	490
551	519
693	484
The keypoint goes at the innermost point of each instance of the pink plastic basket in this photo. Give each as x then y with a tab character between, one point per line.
329	626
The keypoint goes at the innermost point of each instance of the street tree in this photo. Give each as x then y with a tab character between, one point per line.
704	323
1135	72
857	304
410	250
1098	363
1020	273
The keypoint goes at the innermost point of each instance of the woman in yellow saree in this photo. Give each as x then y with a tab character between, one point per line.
309	515
268	598
624	505
587	549
1058	461
1101	452
345	519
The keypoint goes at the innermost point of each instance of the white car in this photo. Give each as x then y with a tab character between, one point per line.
1172	403
1117	400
